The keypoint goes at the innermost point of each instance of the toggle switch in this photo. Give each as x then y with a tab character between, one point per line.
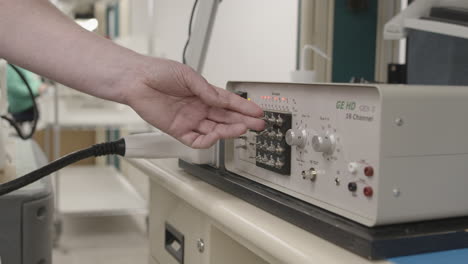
279	121
279	135
279	149
279	163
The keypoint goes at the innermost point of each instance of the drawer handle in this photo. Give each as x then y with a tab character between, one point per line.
174	243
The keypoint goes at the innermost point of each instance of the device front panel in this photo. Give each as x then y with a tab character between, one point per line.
321	145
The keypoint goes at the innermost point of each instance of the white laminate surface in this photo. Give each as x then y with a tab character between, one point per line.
253	226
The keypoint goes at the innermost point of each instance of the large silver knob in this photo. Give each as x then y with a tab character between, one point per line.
296	137
323	143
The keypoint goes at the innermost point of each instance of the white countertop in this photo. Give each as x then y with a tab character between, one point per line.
282	240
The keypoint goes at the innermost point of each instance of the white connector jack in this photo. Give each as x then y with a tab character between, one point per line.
161	146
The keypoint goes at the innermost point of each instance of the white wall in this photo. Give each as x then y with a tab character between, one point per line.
252	40
139	17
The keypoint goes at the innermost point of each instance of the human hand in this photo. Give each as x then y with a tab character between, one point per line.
178	101
166	94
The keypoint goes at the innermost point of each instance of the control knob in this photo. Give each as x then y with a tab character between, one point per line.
323	143
296	137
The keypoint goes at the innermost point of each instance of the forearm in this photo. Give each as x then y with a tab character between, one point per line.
166	94
28	30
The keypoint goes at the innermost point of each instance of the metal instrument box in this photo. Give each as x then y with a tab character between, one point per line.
376	154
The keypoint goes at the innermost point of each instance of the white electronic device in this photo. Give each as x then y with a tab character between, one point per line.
158	145
376	154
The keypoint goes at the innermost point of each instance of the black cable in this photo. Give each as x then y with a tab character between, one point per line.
12	122
109	148
184	60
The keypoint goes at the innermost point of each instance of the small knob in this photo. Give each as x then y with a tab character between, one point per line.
323	144
296	138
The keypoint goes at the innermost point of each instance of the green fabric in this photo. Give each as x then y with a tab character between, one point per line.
18	95
354	42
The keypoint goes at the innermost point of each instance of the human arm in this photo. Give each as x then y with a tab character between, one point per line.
168	95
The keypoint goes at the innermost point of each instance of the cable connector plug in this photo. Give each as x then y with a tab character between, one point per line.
148	145
110	148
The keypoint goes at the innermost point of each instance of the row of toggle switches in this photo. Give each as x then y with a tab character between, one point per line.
271	152
271	147
273	120
270	161
273	134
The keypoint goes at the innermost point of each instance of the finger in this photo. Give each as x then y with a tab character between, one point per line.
225	116
190	138
221	98
236	103
205	141
224	130
230	131
221	131
206	126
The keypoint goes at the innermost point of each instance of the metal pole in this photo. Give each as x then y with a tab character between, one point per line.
152	21
56	176
201	33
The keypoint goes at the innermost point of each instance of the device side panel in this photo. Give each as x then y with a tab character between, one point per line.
424	154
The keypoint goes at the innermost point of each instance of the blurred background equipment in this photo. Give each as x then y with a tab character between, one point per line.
137	211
